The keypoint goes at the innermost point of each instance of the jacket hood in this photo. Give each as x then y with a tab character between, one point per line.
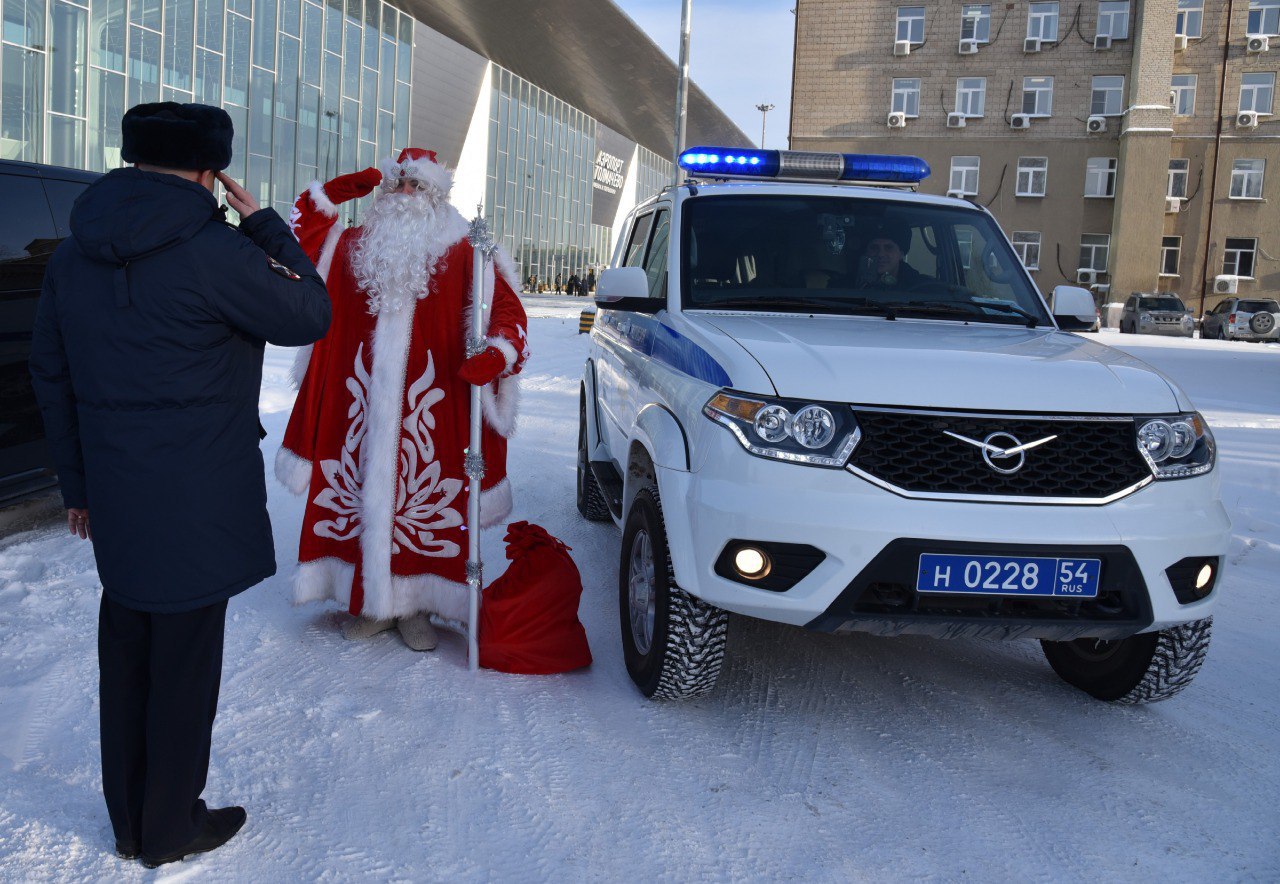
129	213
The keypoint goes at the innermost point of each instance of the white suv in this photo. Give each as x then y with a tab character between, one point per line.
846	406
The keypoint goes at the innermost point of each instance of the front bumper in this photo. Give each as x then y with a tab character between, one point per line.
731	495
1166	329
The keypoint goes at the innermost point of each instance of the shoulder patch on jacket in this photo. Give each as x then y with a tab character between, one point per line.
284	271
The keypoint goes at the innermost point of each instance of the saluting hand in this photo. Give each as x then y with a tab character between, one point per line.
238	198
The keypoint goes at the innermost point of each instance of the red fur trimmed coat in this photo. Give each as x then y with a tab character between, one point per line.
377	435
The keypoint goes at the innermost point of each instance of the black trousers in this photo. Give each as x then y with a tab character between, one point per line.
158	689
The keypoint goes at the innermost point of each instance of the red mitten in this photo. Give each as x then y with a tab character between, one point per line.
353	186
484	367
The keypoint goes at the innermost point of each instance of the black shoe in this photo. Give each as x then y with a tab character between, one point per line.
220	827
127	849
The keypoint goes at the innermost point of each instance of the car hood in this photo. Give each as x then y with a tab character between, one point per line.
926	364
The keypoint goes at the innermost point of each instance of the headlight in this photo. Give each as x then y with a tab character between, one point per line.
1176	447
1144	318
813	433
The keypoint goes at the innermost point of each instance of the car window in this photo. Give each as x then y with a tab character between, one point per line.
62	196
1259	307
655	263
837	254
1174	304
27	238
639	237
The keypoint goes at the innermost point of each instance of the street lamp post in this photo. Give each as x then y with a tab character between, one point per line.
682	88
528	238
764	117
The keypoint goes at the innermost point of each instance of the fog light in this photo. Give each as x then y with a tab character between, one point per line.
1205	575
751	563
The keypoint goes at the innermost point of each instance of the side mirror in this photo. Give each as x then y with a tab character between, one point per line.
625	288
1073	308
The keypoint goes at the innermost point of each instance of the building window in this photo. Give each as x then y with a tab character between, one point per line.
1184	95
1256	91
1170	250
1190	18
1264	18
1027	244
1178	178
975	22
971	96
1246	179
906	97
1095	250
1108	97
911	24
1037	96
1042	22
964	175
1113	19
1033	174
1237	257
1100	177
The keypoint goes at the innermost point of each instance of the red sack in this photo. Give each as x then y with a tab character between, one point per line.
529	616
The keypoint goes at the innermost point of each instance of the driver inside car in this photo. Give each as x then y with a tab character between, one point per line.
882	263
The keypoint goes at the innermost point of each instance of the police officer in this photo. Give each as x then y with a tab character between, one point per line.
147	363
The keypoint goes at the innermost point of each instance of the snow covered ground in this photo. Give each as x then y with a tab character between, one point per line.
819	758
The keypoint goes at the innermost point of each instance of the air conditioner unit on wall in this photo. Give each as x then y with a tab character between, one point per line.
1258	43
1172	205
1032	44
1247	120
1095	124
1225	285
968	47
955	121
902	47
1102	41
1020	121
897	120
1086	276
1179	42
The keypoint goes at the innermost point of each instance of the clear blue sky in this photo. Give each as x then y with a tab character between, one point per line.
740	54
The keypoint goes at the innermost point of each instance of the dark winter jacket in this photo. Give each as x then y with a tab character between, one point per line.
147	363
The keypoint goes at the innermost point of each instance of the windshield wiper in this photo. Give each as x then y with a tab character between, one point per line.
1031	318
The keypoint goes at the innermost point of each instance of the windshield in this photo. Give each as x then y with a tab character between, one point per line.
1173	304
845	255
1259	307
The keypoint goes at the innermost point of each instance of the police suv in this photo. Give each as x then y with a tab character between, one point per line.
817	397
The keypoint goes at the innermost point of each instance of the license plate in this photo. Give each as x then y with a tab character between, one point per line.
1010	576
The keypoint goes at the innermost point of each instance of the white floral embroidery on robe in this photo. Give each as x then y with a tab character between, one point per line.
422	498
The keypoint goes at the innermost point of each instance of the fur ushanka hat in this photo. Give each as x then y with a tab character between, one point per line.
193	137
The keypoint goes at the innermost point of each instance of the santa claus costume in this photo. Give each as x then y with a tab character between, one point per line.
378	434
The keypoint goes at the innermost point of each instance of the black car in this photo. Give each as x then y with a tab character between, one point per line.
37	205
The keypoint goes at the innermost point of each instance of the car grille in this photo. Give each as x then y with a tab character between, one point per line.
909	450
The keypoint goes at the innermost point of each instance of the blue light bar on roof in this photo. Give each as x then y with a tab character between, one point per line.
729	162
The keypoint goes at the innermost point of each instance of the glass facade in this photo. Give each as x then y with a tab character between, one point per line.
313	88
539	193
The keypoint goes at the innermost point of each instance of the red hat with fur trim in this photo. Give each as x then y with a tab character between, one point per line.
414	162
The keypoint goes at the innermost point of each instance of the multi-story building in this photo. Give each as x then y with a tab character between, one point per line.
557	115
1124	144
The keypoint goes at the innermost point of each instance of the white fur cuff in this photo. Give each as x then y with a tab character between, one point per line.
321	199
293	472
507	349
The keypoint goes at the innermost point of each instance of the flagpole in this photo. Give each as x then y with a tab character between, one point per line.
483	247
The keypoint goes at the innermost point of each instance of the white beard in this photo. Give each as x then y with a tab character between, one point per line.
399	248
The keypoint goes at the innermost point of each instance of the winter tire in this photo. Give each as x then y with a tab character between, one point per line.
591	502
673	643
1139	669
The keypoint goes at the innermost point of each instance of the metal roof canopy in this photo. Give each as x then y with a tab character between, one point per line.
588	53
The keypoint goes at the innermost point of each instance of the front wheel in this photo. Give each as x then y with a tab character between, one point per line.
673	643
1140	669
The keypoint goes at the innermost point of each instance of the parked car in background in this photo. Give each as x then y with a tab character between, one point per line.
1243	319
36	203
1157	315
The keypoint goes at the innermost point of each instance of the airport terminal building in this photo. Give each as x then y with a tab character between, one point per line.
557	116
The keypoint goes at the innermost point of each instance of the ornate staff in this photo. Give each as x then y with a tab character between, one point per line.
483	248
